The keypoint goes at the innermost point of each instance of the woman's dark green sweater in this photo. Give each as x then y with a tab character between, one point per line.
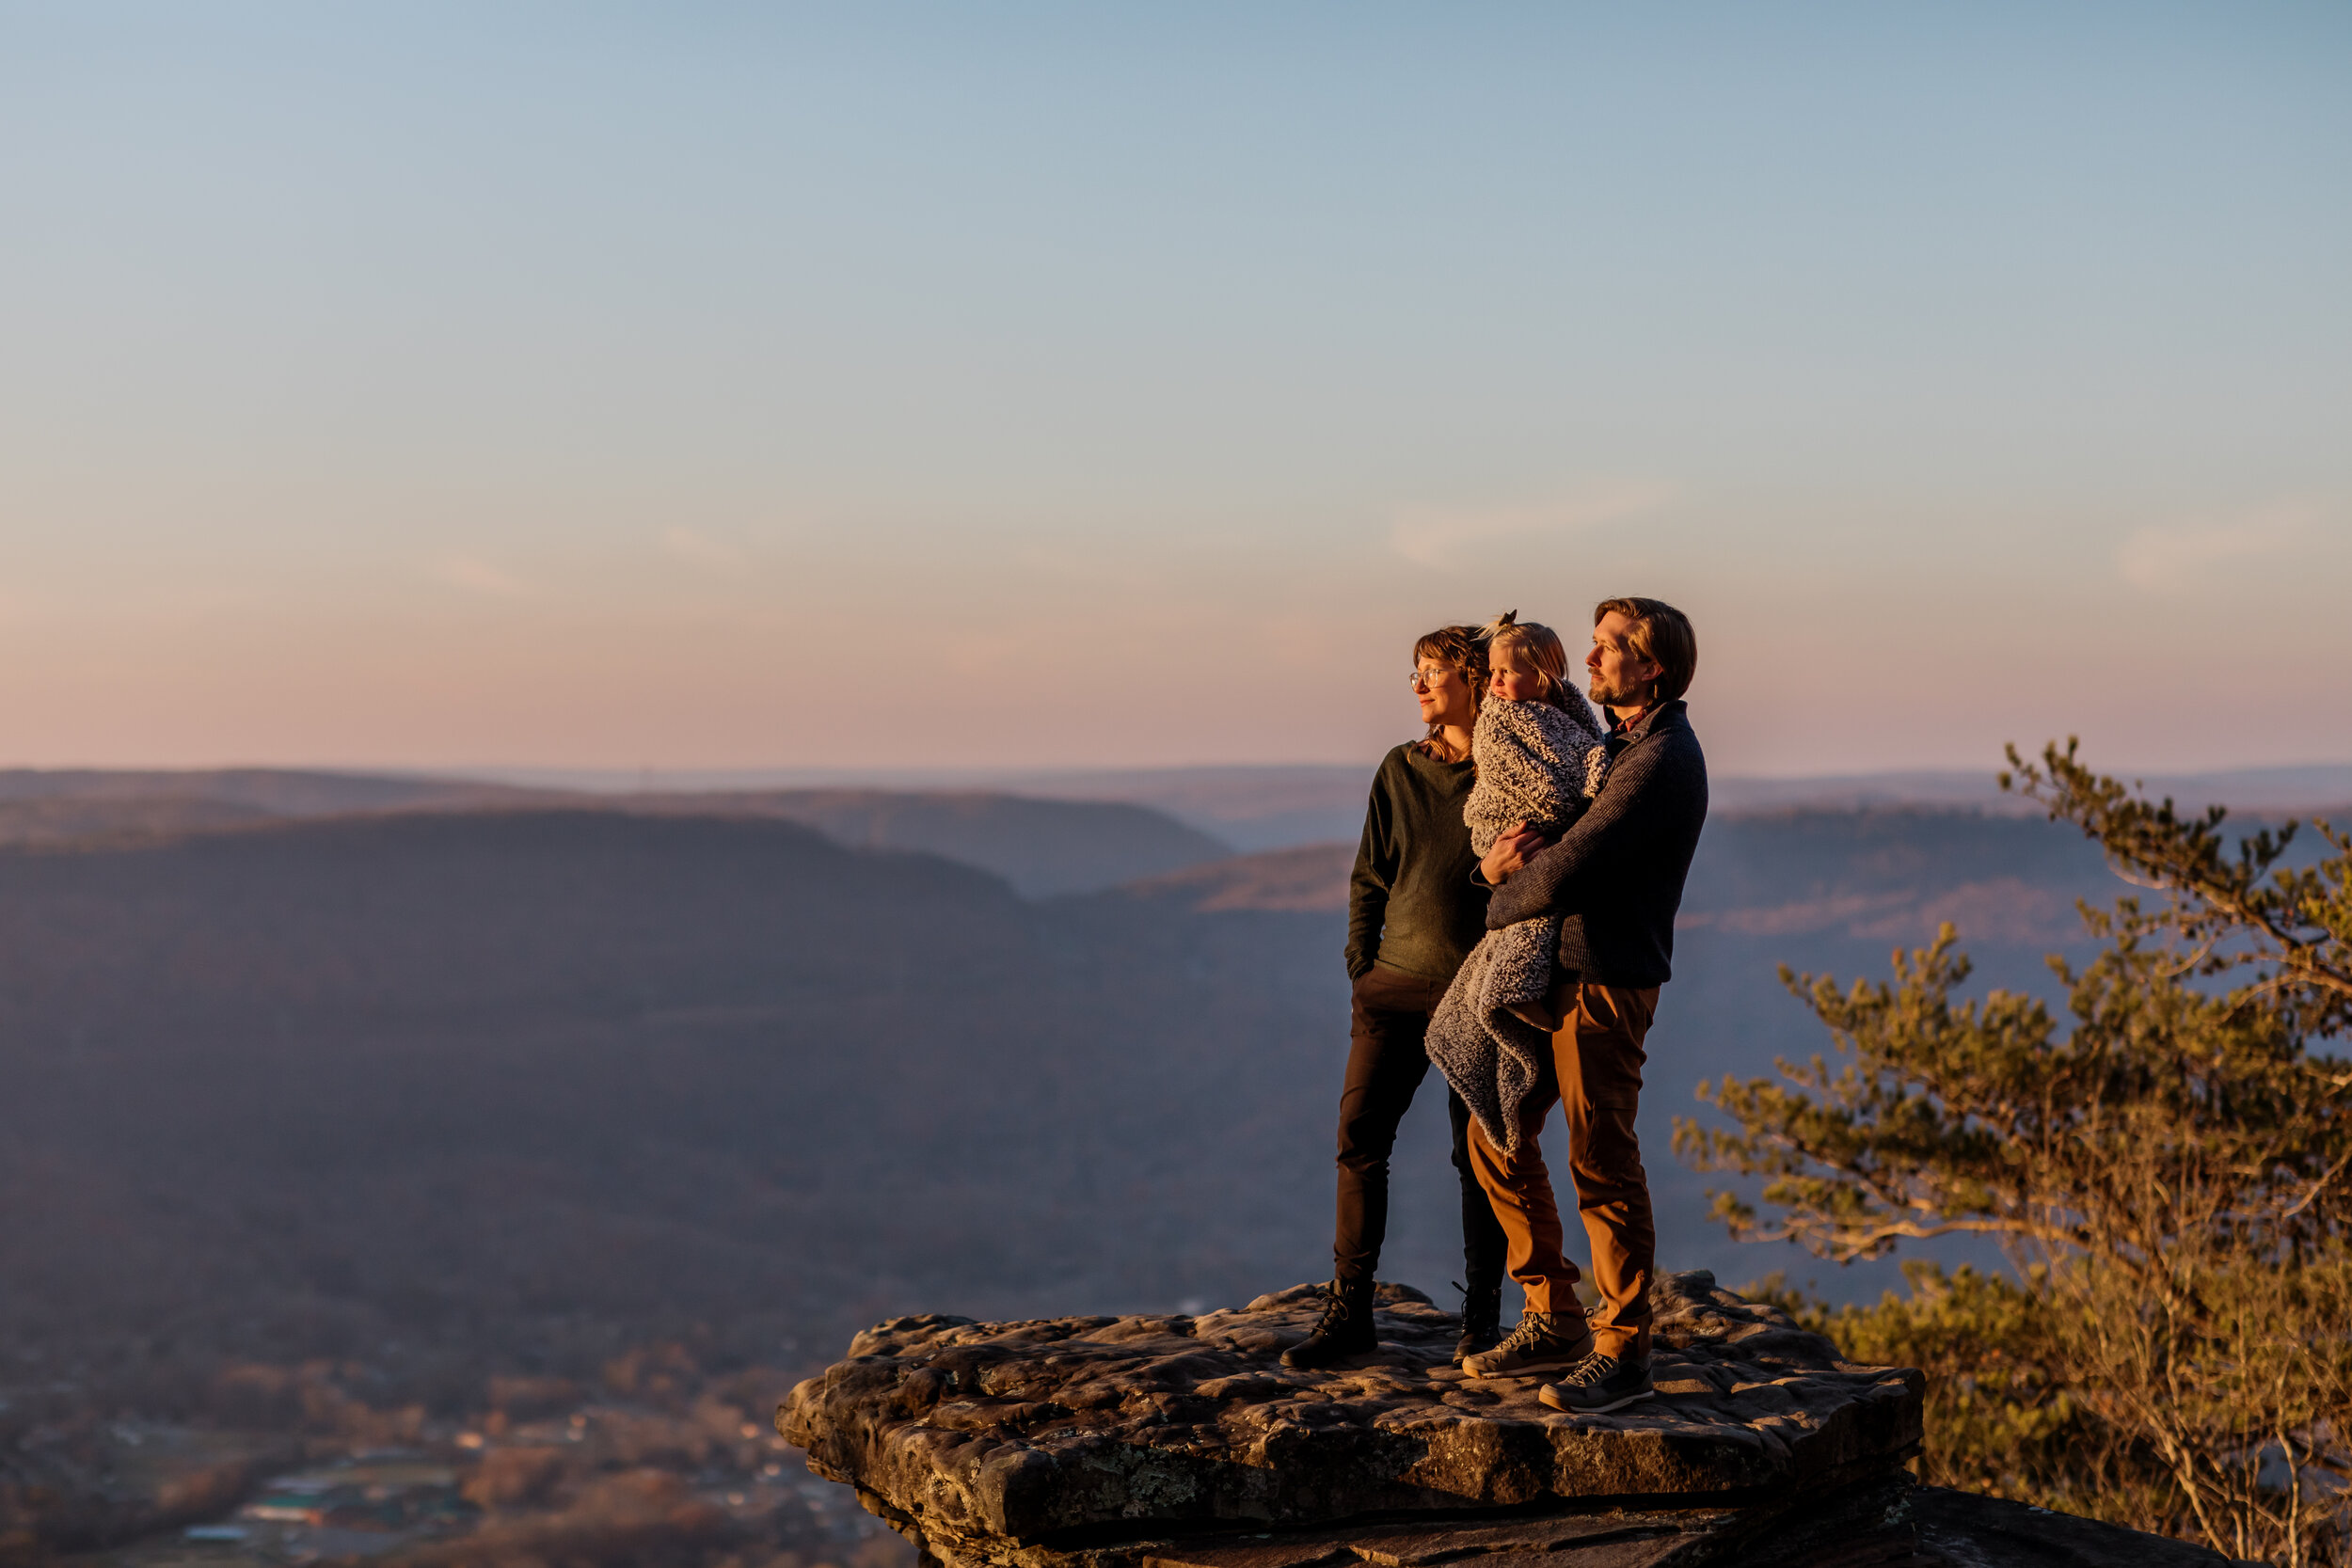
1411	904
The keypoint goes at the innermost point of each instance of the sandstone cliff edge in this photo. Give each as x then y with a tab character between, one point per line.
1183	1442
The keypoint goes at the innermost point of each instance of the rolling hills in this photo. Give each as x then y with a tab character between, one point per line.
390	1108
506	1080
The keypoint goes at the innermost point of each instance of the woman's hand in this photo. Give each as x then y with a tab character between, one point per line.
1509	853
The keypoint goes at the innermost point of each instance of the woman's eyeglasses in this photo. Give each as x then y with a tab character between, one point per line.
1420	679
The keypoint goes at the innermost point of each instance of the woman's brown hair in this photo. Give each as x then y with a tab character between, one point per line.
1464	650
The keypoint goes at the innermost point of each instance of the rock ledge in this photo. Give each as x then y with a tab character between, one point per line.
1183	1442
976	1433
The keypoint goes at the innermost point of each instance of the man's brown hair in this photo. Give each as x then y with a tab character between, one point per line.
1464	649
1661	634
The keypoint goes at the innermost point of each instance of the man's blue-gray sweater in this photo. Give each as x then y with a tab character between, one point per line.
1615	877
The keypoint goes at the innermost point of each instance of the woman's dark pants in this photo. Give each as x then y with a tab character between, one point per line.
1385	1064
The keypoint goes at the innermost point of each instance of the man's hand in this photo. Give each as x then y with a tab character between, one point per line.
1509	853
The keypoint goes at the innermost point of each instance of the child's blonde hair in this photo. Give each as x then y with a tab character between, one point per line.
1539	644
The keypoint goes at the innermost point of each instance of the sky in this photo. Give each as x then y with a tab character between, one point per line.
700	385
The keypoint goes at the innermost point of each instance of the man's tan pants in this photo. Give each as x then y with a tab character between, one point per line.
1596	1075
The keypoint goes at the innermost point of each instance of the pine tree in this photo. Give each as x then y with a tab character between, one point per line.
2168	1172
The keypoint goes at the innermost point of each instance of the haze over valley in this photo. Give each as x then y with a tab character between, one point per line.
341	1110
774	1063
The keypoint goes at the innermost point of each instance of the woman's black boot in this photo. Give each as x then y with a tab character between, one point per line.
1346	1330
1482	1320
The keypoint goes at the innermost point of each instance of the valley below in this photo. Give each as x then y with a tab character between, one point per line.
460	1174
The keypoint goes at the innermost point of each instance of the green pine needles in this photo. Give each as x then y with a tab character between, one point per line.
2168	1172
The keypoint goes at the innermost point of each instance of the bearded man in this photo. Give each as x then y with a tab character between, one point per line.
1615	880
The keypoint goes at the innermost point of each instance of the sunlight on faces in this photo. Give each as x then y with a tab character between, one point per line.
1515	677
1620	677
1444	694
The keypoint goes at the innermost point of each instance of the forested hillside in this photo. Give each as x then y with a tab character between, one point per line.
464	1072
401	1111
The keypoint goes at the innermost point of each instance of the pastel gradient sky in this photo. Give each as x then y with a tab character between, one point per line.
729	386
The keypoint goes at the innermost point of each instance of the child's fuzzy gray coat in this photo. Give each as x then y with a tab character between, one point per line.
1540	765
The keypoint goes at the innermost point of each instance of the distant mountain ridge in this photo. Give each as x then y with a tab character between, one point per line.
504	1080
2317	787
271	791
1312	877
1274	808
1042	847
91	807
1281	806
1869	874
1050	846
1147	822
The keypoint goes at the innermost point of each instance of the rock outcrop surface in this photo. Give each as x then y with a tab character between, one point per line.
984	1439
1183	1442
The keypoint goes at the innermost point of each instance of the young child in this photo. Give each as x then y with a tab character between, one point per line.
1539	755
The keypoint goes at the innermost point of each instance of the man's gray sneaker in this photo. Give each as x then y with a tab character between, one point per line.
1598	1384
1542	1341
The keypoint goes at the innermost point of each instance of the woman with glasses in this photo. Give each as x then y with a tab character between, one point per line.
1413	914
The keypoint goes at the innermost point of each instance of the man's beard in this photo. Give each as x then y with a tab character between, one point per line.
1605	696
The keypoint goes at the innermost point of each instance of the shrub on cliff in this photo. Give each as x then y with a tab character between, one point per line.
2168	1175
2002	1416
